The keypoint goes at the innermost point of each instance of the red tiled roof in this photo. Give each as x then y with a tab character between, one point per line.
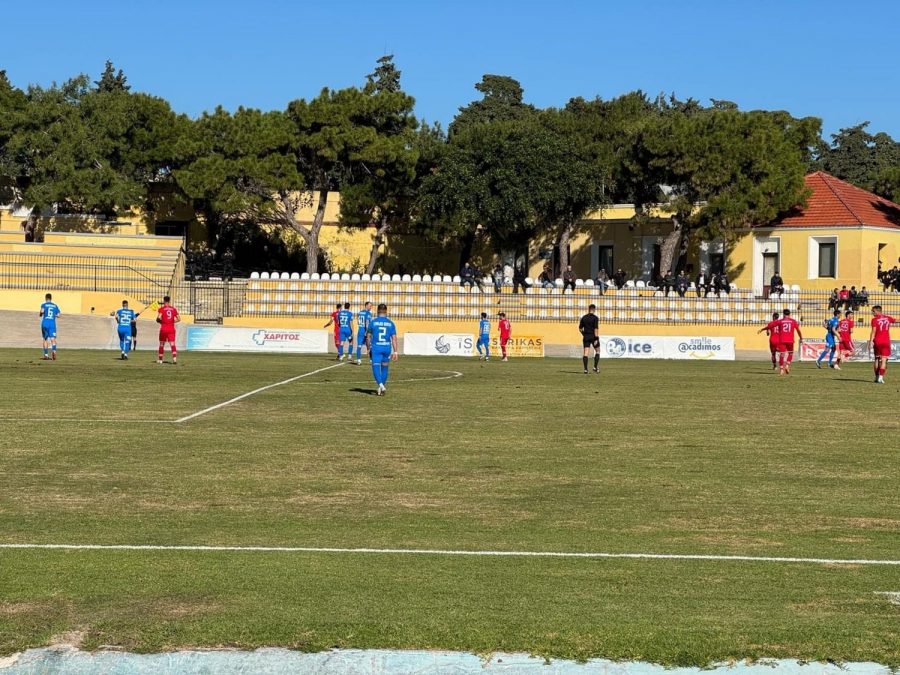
834	202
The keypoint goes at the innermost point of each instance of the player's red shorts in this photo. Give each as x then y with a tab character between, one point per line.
773	346
504	340
882	348
785	346
337	339
167	335
846	345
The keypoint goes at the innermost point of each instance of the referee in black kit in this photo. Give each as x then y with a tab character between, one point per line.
590	339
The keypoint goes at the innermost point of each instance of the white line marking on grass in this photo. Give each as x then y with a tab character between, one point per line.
453	374
83	419
255	391
893	597
443	552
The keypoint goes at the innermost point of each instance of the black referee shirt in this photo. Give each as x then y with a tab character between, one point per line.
589	325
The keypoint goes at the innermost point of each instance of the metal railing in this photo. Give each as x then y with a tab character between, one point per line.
82	273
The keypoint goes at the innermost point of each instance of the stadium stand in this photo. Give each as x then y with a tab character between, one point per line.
137	265
278	295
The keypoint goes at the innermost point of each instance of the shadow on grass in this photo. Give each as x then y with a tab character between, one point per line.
360	390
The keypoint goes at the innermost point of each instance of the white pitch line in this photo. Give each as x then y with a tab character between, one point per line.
255	391
83	419
443	552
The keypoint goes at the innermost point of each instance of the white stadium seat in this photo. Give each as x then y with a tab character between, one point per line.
354	277
314	276
396	278
254	275
376	277
455	279
295	276
264	275
405	278
365	277
589	283
579	282
638	284
448	279
304	276
345	277
415	277
426	278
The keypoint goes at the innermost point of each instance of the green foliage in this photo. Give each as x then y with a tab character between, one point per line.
112	81
857	156
887	184
89	150
502	100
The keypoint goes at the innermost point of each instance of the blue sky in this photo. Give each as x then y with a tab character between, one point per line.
836	60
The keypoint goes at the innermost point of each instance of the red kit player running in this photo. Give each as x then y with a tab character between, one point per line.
787	326
167	317
845	333
774	340
880	341
505	331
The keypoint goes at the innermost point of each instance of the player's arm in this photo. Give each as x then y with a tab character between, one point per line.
330	321
871	338
177	317
394	348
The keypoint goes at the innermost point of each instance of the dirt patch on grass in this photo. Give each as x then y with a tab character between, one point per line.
20	608
71	638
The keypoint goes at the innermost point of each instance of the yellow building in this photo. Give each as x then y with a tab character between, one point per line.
840	238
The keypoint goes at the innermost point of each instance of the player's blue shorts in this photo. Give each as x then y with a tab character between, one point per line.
125	332
346	333
381	354
48	330
484	340
361	337
829	341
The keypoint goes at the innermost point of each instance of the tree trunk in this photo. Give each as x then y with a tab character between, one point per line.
562	245
465	253
376	245
671	246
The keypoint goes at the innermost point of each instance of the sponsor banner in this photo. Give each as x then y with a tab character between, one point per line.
228	339
700	348
667	347
632	347
810	350
438	344
520	345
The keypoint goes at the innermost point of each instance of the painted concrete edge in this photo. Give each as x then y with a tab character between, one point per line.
72	661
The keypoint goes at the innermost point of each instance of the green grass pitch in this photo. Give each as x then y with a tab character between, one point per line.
530	455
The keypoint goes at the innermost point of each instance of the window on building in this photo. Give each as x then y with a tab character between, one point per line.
827	259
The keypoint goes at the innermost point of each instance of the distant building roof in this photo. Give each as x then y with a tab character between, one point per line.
836	203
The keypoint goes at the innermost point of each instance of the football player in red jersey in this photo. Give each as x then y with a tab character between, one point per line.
845	333
505	329
787	326
880	341
167	317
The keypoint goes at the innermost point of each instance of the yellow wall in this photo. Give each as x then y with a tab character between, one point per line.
71	302
746	337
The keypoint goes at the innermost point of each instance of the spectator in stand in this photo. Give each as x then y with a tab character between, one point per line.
668	282
844	297
776	285
853	299
568	278
29	227
863	297
602	280
702	284
619	278
682	284
519	279
508	273
467	275
834	300
545	279
498	278
723	285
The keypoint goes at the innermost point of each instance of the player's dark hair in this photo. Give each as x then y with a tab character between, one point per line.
774	315
484	315
502	314
837	312
166	298
48	297
382	307
592	306
124	303
338	306
848	313
875	308
346	305
787	312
